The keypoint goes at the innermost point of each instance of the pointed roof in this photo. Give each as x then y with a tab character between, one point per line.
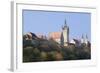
65	25
86	36
82	36
65	21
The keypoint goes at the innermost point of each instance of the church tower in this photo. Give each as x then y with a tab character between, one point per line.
65	35
84	39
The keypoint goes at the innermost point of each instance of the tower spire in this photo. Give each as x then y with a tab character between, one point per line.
82	36
82	39
65	23
86	36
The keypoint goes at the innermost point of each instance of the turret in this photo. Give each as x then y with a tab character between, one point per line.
84	39
65	34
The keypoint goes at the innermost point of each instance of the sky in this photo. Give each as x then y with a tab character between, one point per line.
49	21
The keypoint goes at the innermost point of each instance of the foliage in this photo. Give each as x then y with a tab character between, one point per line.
37	50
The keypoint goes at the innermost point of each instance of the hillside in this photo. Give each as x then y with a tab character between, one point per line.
37	49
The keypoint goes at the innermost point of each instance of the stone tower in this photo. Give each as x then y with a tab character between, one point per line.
65	35
84	39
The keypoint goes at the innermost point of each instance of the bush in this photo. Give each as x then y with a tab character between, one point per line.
48	50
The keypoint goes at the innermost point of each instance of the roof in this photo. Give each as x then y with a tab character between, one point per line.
55	35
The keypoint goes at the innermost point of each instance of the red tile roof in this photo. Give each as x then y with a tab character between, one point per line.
55	35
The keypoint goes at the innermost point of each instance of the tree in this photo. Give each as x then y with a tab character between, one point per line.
43	56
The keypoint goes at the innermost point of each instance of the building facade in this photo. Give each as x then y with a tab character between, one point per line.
61	37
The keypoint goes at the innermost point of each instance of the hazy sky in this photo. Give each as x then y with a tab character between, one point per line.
46	21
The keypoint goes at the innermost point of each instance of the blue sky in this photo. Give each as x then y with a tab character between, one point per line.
46	21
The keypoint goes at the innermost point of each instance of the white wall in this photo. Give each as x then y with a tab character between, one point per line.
5	35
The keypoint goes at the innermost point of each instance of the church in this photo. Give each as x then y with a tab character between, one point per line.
61	37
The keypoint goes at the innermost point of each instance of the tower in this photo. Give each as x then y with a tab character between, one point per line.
65	35
84	39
